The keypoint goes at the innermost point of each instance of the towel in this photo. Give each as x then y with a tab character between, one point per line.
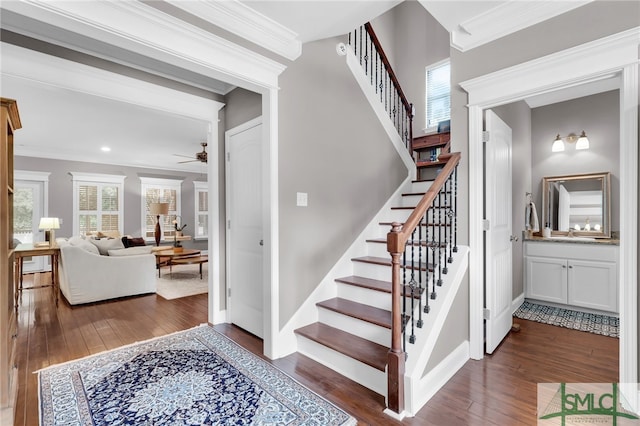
531	218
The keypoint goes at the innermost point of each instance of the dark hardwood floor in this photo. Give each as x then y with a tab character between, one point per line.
499	390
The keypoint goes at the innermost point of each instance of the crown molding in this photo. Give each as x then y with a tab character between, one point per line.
507	18
142	29
603	57
18	62
247	23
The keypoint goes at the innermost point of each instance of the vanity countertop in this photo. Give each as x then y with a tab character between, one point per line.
572	240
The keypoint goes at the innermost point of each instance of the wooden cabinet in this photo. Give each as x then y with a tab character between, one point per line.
8	378
428	148
579	275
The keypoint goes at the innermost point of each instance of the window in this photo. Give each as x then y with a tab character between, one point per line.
438	94
155	190
201	196
97	203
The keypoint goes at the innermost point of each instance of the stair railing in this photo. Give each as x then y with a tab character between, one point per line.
376	65
420	250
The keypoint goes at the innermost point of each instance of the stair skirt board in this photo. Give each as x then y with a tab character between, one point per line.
367	376
426	387
366	330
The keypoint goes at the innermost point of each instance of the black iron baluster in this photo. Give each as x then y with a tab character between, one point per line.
455	210
445	231
360	50
449	185
412	285
432	246
427	308
439	198
404	298
420	262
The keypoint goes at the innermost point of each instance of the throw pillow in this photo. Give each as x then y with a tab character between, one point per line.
87	246
105	245
76	239
133	242
131	251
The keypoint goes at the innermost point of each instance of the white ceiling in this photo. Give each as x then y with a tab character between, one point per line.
64	124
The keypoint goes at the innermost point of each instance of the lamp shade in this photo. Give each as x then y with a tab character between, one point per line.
558	145
583	142
158	208
49	223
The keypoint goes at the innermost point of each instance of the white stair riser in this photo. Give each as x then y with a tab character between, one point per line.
378	299
420	186
413	200
401	215
380	250
367	376
370	270
366	330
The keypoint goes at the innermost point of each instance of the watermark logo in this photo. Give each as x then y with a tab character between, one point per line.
568	404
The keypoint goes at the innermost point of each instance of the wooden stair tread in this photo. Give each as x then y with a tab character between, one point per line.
423	243
387	262
368	283
414	207
360	311
420	224
372	284
412	194
353	346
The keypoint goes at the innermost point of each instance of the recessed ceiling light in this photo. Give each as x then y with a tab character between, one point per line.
105	149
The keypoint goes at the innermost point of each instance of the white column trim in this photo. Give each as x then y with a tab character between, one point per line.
628	259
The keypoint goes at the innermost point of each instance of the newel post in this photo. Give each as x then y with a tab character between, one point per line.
396	358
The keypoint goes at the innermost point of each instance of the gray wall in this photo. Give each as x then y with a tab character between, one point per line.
599	117
61	192
417	42
332	147
518	117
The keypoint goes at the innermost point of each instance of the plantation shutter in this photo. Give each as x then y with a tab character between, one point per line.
438	94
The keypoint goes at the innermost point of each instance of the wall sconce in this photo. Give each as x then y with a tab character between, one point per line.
581	142
49	224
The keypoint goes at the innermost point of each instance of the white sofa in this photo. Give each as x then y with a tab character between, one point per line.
86	276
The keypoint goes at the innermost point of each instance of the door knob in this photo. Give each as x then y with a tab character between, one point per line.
261	242
513	238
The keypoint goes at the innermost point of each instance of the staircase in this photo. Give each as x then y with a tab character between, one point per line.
388	313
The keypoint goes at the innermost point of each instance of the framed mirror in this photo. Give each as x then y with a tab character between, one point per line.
580	203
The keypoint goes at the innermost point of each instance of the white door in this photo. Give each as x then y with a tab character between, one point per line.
244	228
498	291
28	208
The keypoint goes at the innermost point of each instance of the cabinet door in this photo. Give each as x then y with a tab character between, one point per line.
546	279
593	285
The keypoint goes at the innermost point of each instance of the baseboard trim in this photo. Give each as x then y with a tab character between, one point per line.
515	304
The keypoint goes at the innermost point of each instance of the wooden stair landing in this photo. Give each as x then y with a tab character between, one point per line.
365	351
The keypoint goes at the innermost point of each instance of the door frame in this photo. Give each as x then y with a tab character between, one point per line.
228	276
612	56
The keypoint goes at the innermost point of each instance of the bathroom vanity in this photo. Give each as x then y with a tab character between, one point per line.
578	272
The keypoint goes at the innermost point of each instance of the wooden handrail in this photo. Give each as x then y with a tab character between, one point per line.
387	66
396	242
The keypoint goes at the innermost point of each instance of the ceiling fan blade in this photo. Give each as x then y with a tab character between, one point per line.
188	161
185	156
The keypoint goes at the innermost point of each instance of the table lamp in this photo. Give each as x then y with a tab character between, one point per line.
49	225
158	209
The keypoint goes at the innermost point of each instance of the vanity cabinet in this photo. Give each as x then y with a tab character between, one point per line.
575	274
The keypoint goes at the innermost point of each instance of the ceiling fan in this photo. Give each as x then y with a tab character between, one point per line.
200	156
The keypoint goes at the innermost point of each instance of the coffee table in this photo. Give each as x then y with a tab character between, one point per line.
170	255
192	260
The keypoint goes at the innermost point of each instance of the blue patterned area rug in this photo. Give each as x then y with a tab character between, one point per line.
576	320
193	377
